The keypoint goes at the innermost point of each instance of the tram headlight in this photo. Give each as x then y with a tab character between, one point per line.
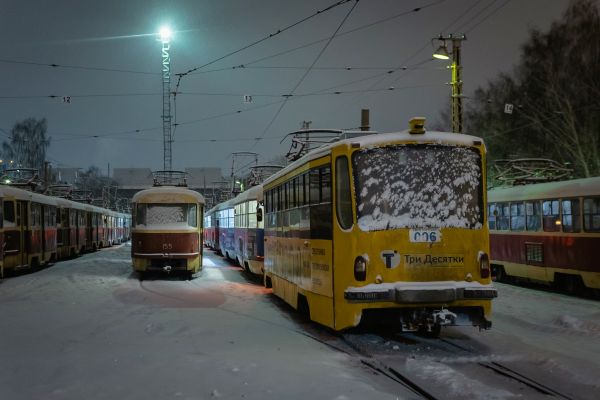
484	264
360	268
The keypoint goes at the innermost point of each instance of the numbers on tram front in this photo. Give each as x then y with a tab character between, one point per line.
425	236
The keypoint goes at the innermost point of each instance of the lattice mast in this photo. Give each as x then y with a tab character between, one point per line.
166	93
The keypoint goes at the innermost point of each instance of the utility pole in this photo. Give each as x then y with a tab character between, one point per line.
456	83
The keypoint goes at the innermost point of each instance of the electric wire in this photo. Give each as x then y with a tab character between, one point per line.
78	67
498	8
307	71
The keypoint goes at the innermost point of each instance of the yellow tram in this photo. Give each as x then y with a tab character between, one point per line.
167	230
390	227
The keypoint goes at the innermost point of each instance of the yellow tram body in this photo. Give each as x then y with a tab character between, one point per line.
167	230
321	260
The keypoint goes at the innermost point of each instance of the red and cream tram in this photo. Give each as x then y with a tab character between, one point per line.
547	233
167	230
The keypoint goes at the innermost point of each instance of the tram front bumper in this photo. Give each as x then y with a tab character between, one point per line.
420	292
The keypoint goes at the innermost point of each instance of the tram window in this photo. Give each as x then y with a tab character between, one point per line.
503	218
571	216
326	185
306	189
492	214
551	213
517	216
405	186
591	214
35	215
277	199
192	216
315	185
300	190
342	193
294	190
252	213
9	213
140	215
230	218
1	215
533	213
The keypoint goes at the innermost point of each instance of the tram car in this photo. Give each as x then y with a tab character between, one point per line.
211	229
547	233
386	227
37	230
29	229
249	229
71	231
224	214
167	230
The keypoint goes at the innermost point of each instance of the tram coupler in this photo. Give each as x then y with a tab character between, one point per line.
443	317
167	269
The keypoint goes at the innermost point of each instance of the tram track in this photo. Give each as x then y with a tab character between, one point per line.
511	373
368	361
387	366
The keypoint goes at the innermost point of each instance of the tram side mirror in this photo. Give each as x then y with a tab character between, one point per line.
259	214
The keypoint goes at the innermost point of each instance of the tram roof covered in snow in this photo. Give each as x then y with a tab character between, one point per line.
572	188
168	194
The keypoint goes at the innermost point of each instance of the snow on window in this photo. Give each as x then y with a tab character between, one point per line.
159	214
418	186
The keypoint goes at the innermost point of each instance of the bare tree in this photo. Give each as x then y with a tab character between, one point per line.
27	144
555	92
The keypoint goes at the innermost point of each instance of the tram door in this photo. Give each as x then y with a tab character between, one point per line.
22	224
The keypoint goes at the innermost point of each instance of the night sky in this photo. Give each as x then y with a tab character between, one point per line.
110	65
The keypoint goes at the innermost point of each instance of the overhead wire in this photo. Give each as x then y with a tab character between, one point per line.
308	70
494	11
256	42
78	67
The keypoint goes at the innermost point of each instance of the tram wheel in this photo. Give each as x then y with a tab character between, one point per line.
500	274
571	284
141	275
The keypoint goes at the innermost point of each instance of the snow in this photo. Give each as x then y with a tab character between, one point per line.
385	287
87	328
402	186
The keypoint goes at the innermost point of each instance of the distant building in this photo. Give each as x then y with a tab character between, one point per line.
207	181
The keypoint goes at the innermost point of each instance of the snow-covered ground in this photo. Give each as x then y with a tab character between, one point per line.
87	328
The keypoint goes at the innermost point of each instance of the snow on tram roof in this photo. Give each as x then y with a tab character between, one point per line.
370	139
167	194
253	193
547	190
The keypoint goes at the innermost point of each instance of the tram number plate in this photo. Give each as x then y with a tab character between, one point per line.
420	236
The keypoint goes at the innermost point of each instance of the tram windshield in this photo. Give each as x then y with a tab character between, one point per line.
418	186
166	215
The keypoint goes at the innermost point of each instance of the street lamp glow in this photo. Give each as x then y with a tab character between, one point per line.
165	34
441	53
